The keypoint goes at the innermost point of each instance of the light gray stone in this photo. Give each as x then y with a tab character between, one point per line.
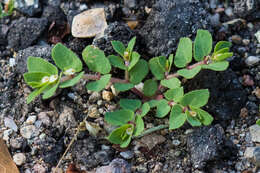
19	159
29	131
10	124
252	60
255	133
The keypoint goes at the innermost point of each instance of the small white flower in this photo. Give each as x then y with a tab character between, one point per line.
53	78
45	79
69	71
129	131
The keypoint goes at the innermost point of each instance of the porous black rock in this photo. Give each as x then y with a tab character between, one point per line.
115	31
169	20
227	95
205	144
25	31
36	51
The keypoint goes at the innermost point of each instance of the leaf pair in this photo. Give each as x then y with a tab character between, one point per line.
160	65
123	134
44	77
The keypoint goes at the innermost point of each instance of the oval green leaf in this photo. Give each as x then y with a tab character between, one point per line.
184	53
150	87
202	44
188	74
119	117
100	84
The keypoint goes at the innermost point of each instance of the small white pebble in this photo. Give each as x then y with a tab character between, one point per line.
19	159
12	62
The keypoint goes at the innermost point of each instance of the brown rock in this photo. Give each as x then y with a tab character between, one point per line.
89	23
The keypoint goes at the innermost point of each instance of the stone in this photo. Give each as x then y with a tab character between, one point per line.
93	112
31	120
39	168
176	142
229	11
102	157
247	8
130	3
256	157
214	20
249	152
117	165
29	131
151	140
89	23
107	95
252	60
25	31
115	31
205	144
94	97
10	124
257	35
19	159
67	118
16	143
7	133
44	118
170	20
226	100
53	14
236	39
255	133
127	154
36	51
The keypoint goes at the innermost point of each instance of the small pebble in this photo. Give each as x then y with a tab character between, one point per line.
7	133
95	96
16	143
176	142
252	60
255	133
257	35
229	11
127	154
236	39
107	95
19	159
257	156
29	131
30	120
10	124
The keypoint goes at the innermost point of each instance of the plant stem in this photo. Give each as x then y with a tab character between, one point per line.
126	75
188	67
151	130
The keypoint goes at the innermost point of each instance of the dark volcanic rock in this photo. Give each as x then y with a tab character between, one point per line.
28	7
247	8
115	31
227	95
53	14
205	144
36	51
168	21
24	32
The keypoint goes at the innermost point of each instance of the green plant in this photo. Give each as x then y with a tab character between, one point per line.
163	93
8	9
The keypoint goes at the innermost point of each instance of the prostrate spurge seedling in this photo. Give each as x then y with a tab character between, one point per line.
163	92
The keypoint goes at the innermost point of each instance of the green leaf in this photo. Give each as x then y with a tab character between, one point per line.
188	74
36	64
150	87
205	118
162	62
119	117
118	47
258	122
50	91
184	53
10	7
202	44
35	93
131	44
65	59
134	59
115	136
100	84
177	117
171	83
162	108
153	103
145	109
131	104
222	44
175	94
126	142
196	98
72	81
170	59
223	56
224	50
116	61
217	66
139	71
123	86
156	68
139	125
193	121
96	60
35	77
